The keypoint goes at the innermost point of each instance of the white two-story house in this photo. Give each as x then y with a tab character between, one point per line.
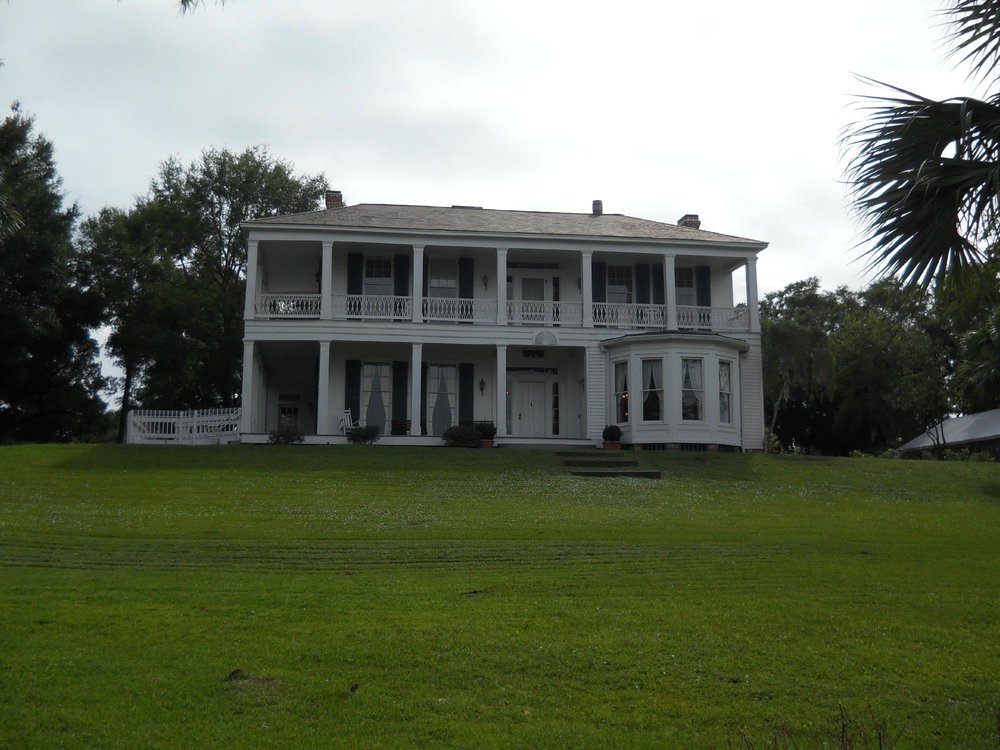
549	325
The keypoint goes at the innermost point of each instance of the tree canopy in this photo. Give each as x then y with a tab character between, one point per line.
49	377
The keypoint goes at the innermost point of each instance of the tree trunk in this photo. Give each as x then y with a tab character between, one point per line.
129	367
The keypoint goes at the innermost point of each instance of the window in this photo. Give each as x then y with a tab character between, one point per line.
684	282
620	284
621	392
725	392
378	276
376	394
288	417
652	390
555	408
692	390
442	278
442	397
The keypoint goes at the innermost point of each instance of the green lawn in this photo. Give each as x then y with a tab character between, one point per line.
487	599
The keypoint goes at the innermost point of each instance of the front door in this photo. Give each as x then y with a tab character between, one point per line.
530	414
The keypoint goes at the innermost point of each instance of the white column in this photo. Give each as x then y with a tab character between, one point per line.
323	397
501	286
587	287
501	381
418	288
326	283
247	401
251	289
416	359
670	291
752	295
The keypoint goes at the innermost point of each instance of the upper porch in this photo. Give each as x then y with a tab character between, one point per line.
500	286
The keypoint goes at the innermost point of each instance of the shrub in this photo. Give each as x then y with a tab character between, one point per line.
461	437
612	433
891	453
773	444
486	430
366	435
286	435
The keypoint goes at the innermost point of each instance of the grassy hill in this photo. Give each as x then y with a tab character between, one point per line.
454	598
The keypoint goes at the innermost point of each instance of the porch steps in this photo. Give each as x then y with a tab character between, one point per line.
602	464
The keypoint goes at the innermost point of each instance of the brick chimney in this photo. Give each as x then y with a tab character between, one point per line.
689	220
334	199
597	208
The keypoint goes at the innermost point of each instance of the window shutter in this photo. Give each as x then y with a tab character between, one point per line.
423	393
466	393
352	387
399	373
427	274
642	283
599	274
465	280
401	275
656	269
703	285
355	274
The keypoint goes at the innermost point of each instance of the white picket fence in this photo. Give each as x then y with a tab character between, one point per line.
172	427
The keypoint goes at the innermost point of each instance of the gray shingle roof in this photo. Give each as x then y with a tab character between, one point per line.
492	221
972	428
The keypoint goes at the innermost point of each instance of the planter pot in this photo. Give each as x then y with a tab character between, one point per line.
485	443
612	445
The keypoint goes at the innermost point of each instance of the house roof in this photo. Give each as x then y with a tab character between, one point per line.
468	219
972	428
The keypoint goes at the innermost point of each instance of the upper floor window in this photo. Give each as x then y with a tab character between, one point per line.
725	392
620	284
378	276
692	390
684	282
442	278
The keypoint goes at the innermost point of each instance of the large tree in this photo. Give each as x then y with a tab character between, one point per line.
190	221
49	376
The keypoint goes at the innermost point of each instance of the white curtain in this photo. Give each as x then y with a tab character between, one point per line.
692	375
378	382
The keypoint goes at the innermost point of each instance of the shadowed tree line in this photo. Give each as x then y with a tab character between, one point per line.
869	370
165	276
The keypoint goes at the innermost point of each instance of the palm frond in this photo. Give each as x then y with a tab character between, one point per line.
924	177
974	33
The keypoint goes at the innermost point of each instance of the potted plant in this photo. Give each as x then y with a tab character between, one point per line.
487	431
612	437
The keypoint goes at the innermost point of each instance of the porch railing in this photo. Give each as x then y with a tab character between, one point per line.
371	306
460	309
173	427
532	312
713	318
287	305
629	315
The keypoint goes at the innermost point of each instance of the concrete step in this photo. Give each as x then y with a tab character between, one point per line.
592	453
605	473
599	461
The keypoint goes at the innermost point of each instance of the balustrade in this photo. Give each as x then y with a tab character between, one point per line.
713	318
629	315
537	312
371	306
287	305
460	309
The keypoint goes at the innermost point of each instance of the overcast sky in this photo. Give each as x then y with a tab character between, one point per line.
729	109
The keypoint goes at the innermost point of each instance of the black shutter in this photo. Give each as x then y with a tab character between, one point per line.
466	393
465	280
703	286
657	270
355	273
423	397
352	387
401	275
399	372
427	271
599	273
642	283
555	288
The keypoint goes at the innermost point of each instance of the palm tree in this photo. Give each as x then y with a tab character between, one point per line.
978	374
925	174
